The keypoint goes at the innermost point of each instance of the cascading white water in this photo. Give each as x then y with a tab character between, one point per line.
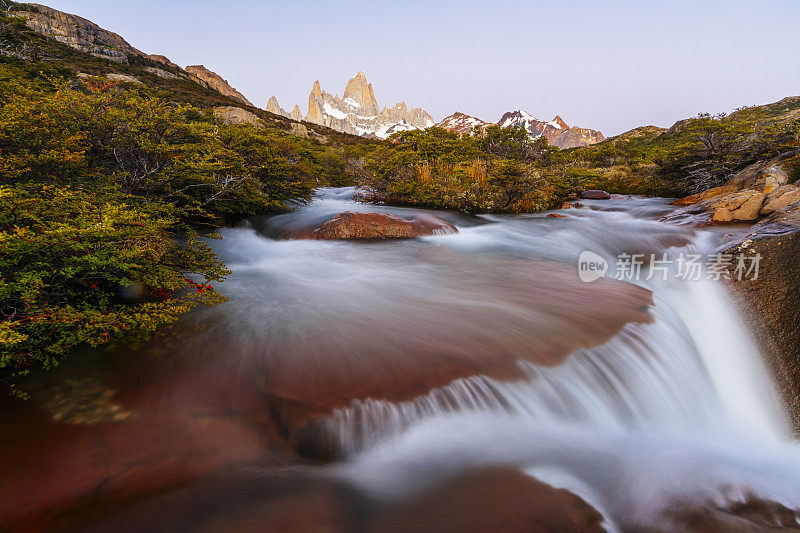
679	410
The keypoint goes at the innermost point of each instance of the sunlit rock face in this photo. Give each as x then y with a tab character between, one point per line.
215	81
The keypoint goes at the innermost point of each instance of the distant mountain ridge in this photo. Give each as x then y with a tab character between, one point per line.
462	123
357	111
556	131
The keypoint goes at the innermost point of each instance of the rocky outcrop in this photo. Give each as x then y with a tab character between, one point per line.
557	132
124	78
783	196
297	114
299	130
574	137
215	81
360	91
463	124
237	115
161	73
349	225
78	33
163	60
273	107
754	192
772	301
358	112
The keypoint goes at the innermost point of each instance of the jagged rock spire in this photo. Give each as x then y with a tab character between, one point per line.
296	113
273	107
359	90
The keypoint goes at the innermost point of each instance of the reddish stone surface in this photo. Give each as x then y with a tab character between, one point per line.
494	499
594	195
349	225
397	360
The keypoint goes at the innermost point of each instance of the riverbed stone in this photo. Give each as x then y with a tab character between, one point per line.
373	225
594	195
548	303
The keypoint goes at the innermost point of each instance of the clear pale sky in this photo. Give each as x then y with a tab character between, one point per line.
605	65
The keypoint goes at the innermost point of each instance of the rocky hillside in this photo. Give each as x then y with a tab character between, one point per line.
78	32
86	36
462	123
215	81
357	111
556	131
69	43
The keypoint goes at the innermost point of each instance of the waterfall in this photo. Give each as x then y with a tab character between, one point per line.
679	410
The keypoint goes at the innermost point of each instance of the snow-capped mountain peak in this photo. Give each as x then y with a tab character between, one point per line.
357	112
462	123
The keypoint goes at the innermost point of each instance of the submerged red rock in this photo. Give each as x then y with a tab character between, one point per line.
540	313
594	195
350	225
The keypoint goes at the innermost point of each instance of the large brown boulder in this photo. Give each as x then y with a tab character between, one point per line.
349	225
771	303
594	195
783	196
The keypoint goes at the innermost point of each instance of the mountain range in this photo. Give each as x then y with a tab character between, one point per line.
357	112
556	131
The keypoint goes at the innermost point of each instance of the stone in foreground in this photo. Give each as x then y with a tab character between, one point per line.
594	195
349	225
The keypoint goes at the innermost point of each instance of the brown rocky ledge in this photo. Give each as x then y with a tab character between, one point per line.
489	499
772	302
399	355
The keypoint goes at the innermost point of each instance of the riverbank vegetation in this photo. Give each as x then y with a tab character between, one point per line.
109	192
503	170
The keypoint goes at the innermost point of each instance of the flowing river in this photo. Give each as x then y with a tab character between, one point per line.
396	365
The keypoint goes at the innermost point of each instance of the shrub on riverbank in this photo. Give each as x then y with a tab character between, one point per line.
103	190
500	171
86	266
